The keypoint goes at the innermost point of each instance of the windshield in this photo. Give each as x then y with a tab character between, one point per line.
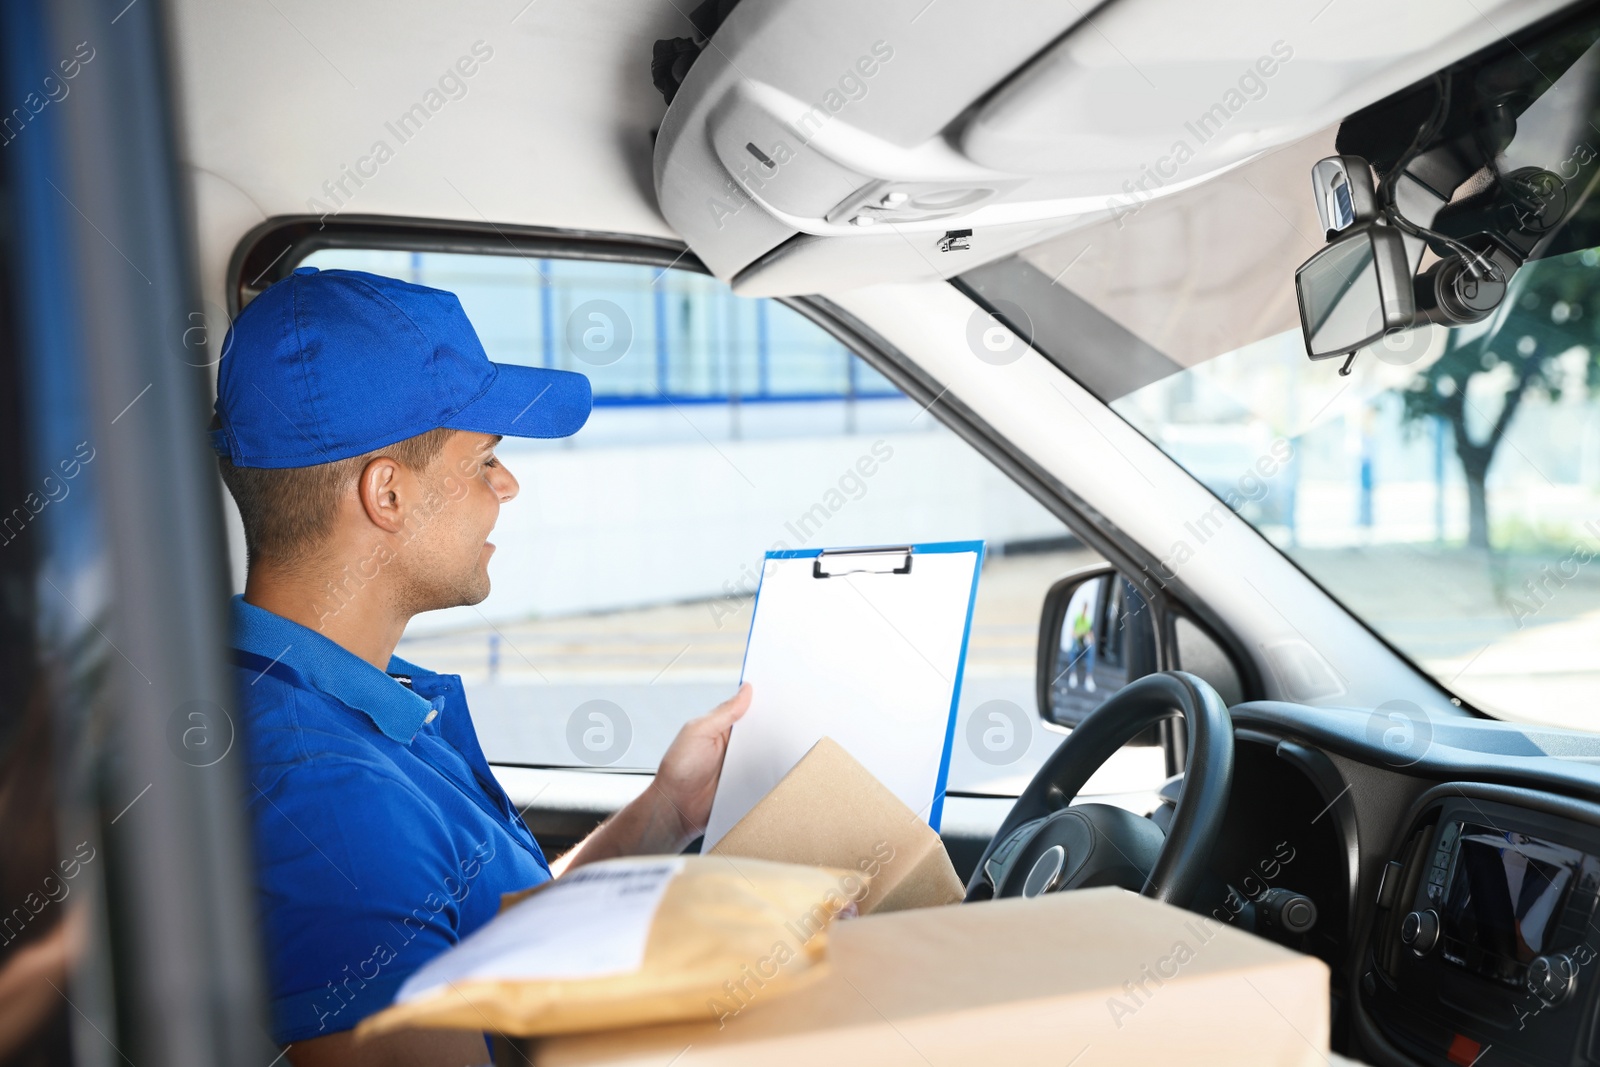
1446	491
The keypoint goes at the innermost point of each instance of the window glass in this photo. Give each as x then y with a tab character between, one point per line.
723	427
644	336
1449	495
1447	491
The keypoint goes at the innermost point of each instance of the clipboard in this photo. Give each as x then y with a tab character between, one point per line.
863	645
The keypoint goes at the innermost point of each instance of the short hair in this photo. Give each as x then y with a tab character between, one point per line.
289	512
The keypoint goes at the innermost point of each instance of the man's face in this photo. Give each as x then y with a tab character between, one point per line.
459	499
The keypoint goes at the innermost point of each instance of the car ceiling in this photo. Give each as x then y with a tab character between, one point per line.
281	100
554	129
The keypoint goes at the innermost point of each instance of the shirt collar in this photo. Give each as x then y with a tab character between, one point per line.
395	710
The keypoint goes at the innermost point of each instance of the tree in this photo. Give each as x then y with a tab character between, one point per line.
1553	307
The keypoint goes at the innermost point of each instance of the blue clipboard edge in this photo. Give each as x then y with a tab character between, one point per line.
936	813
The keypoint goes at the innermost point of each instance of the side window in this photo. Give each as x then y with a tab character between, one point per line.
723	427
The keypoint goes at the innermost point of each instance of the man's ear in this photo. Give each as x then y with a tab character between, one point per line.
381	488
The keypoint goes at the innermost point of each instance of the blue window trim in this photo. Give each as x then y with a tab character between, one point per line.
763	349
663	349
547	313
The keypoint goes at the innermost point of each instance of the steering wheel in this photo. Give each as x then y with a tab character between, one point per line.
1044	846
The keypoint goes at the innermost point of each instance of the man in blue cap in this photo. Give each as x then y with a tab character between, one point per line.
357	422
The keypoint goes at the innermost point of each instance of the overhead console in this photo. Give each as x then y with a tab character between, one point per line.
815	145
1485	937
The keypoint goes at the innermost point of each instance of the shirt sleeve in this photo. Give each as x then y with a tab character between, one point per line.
358	887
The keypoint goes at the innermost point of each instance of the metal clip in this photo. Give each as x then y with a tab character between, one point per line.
875	560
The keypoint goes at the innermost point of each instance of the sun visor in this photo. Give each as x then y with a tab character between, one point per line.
827	144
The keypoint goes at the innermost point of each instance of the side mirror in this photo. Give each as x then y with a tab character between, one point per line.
1096	634
1354	291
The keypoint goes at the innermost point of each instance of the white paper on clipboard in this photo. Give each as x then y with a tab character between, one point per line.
868	654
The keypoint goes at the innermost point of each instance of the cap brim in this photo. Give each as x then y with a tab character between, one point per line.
528	402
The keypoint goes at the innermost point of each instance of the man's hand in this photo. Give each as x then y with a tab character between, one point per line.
674	809
687	779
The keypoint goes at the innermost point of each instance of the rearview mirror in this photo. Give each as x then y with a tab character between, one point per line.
1354	291
1096	634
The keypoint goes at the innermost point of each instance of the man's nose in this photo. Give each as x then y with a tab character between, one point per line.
504	483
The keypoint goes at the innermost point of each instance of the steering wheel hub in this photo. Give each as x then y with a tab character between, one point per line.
1046	872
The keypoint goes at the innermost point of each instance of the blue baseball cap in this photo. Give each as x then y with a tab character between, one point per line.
330	364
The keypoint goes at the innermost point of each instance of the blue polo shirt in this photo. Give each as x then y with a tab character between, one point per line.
381	836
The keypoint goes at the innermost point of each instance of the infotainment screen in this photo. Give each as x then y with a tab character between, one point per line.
1504	901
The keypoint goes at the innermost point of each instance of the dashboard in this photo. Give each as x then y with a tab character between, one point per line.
1339	842
1451	885
1484	935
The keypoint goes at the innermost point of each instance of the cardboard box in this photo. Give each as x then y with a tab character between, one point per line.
1094	977
829	811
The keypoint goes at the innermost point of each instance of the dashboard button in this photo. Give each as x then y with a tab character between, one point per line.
1419	931
1553	978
